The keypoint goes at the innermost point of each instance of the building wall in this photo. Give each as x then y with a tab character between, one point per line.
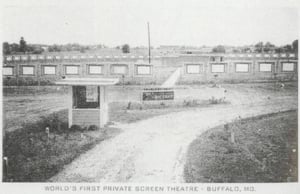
161	67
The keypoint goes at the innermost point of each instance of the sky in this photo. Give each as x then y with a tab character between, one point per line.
172	22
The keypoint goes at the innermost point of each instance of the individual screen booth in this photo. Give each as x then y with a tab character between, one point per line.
88	100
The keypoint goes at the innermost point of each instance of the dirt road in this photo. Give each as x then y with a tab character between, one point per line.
153	150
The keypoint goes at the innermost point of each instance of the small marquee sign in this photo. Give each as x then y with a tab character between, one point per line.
152	94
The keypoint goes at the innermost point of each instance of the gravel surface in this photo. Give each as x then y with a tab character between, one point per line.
154	150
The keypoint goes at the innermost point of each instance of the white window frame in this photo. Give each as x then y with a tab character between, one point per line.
41	57
95	65
264	70
17	58
5	72
143	66
66	69
200	70
218	64
49	66
113	66
33	57
24	58
237	70
28	66
288	70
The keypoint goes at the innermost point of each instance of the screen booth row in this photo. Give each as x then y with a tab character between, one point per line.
241	67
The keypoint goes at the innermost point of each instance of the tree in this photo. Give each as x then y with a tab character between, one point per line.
246	50
125	48
23	46
219	49
279	50
288	48
6	48
14	48
259	47
268	47
295	46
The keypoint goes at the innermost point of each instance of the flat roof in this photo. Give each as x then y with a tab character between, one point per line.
87	81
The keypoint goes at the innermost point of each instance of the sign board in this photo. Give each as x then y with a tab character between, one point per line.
152	94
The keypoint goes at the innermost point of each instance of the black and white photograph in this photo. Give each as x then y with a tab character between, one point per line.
149	96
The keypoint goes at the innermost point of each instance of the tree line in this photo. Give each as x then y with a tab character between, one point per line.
261	47
23	48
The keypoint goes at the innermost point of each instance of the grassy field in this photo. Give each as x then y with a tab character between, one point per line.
34	156
264	150
26	104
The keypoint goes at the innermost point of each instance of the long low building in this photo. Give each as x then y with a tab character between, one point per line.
131	69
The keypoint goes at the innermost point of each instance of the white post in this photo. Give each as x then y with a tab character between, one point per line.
70	116
103	107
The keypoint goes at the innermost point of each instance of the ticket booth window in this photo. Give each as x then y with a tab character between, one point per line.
193	68
241	67
86	97
218	68
27	70
119	69
8	70
49	70
265	67
288	66
143	69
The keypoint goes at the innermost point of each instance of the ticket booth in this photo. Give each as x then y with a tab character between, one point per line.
88	100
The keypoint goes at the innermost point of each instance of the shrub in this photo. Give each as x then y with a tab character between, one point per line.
93	128
76	128
214	100
56	122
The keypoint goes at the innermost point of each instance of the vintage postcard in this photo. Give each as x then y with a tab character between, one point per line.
149	96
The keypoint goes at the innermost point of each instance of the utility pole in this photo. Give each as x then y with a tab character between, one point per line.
149	48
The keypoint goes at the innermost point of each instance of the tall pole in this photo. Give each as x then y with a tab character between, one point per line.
149	42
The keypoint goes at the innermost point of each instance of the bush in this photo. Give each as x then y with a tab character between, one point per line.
76	128
214	100
93	128
56	122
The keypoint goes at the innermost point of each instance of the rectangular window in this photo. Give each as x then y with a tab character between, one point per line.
119	69
24	58
27	70
33	57
288	66
265	67
95	69
193	68
143	69
218	68
8	70
86	96
72	69
17	58
241	67
8	58
49	70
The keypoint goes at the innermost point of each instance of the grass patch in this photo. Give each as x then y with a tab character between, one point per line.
264	150
135	111
34	156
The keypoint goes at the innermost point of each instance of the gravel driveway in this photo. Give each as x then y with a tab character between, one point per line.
153	150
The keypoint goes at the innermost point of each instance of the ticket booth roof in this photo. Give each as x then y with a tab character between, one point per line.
88	81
